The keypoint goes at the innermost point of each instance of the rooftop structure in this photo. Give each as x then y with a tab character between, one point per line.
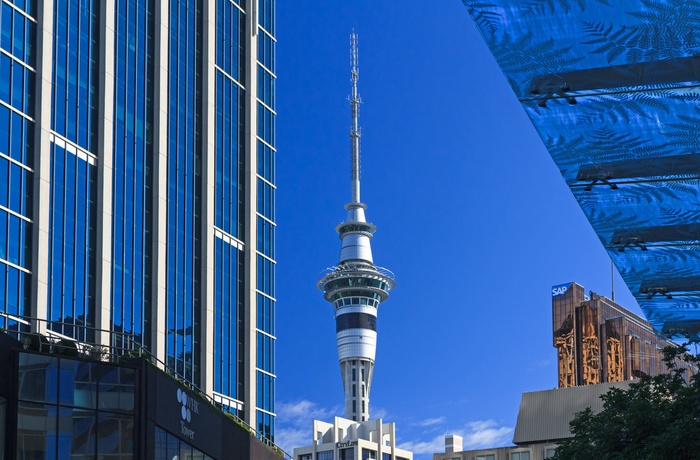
612	90
355	287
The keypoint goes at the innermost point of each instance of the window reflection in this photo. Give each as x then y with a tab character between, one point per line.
57	416
564	342
597	340
169	447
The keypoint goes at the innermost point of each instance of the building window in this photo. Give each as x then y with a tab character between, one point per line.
168	447
305	457
486	457
520	456
549	453
368	454
325	455
95	400
346	454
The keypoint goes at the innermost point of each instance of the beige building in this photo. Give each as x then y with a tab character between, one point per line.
349	440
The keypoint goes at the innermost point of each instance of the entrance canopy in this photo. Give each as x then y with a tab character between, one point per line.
613	89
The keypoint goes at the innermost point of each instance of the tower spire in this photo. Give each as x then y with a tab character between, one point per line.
355	102
356	287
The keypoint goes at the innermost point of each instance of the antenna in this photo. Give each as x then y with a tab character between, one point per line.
355	128
612	277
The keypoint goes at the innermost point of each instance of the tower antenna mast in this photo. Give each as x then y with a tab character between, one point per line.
355	102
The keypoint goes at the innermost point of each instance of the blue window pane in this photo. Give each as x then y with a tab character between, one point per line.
5	77
3	235
4	182
17	86
6	40
4	129
16	137
18	32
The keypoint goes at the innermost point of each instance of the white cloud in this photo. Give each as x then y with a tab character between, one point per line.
294	423
475	435
431	421
302	410
378	412
485	433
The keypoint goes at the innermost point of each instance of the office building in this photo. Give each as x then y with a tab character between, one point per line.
599	341
355	287
137	185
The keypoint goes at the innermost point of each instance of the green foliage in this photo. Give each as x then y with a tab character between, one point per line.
657	418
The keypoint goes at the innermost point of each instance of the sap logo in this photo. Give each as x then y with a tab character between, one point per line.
558	291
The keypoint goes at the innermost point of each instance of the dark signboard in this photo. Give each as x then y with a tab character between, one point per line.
183	413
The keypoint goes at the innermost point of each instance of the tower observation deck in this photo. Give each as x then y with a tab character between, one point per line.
356	286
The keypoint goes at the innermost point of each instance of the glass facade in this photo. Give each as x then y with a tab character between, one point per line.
133	169
75	72
266	219
169	447
72	242
72	232
17	125
74	409
123	234
184	253
229	191
228	311
599	341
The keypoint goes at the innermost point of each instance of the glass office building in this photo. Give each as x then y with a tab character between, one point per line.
137	184
599	341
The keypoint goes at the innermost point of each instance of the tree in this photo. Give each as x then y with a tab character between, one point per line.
656	418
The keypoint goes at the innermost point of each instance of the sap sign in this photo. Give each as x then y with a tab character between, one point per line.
558	291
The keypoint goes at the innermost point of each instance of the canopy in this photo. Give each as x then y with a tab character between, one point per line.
613	89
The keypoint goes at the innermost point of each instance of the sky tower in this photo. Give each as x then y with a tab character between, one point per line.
356	286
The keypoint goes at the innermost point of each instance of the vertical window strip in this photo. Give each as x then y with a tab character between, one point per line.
72	237
132	178
184	188
75	73
228	310
266	207
229	157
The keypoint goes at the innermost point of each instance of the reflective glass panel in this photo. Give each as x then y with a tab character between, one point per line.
612	90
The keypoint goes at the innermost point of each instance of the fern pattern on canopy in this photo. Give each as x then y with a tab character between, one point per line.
637	67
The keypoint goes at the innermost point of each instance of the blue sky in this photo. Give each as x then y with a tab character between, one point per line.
473	217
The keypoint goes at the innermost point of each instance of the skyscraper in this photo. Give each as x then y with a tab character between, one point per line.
356	286
137	184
